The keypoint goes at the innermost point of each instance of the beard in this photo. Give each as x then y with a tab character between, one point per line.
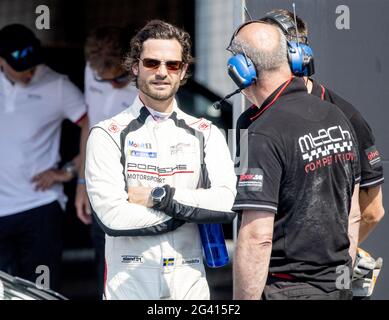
146	87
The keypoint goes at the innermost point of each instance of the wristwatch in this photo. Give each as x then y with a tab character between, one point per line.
70	168
157	194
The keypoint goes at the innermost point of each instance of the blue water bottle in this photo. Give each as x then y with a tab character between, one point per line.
214	245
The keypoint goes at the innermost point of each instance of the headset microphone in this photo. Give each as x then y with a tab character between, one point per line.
217	105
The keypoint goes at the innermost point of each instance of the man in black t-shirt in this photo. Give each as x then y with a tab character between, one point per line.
296	193
372	176
370	194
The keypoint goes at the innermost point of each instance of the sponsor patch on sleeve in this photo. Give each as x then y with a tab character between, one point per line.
204	124
252	180
114	128
373	156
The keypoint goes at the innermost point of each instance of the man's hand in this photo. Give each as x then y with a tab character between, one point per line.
84	212
48	178
141	196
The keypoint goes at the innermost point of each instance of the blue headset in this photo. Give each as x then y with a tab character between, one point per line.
300	56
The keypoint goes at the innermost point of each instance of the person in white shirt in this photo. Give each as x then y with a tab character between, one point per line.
34	100
108	91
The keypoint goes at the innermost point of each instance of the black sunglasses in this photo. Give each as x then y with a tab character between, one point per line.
119	79
171	65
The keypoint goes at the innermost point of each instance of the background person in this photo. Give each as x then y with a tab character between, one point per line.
372	175
108	91
34	100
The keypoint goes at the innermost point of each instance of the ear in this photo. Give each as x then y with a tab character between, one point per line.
135	68
183	71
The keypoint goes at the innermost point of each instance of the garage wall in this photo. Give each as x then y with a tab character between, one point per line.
213	32
71	20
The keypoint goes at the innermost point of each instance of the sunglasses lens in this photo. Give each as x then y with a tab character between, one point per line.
151	63
154	64
173	65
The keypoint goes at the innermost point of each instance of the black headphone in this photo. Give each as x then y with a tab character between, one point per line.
300	56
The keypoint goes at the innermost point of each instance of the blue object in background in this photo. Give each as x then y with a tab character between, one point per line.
214	245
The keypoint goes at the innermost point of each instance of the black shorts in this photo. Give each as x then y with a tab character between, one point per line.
278	289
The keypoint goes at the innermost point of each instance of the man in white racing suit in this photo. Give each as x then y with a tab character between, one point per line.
154	172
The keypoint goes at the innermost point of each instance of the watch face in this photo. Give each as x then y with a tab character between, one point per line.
158	192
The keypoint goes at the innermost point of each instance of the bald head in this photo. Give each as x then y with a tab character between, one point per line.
264	44
262	36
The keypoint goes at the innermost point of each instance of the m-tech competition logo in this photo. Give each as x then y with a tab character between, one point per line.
326	147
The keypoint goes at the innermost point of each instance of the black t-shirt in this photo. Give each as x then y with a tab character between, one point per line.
302	164
371	165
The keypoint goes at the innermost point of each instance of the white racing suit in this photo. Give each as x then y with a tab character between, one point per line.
157	254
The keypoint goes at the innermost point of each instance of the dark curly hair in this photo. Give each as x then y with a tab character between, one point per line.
157	29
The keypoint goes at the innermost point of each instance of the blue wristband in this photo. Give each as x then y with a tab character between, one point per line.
81	181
